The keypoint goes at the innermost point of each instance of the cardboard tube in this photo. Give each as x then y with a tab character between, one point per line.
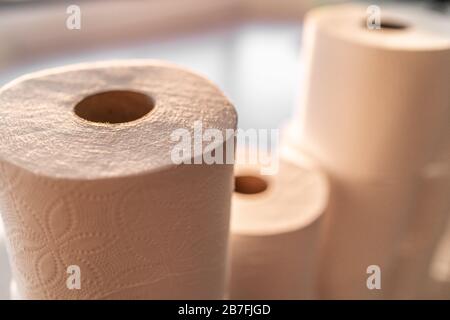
275	231
83	188
374	102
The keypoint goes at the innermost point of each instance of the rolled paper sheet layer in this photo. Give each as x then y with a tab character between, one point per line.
88	180
275	231
375	102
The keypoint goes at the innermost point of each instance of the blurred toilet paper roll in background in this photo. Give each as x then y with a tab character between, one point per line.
275	231
425	229
93	202
375	102
366	222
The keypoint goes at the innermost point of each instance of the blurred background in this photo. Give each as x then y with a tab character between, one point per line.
250	48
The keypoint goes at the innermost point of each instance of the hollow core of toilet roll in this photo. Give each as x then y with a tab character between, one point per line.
293	199
393	25
250	184
117	106
389	25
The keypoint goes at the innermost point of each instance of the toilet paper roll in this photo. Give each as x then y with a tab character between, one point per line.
275	231
409	214
374	102
367	221
424	231
93	203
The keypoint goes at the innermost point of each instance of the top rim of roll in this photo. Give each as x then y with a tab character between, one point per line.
40	131
420	30
295	198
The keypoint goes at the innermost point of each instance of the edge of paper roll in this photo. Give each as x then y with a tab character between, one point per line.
103	65
421	32
304	218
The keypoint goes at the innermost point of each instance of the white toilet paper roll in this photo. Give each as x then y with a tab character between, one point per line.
367	221
93	203
375	102
426	227
391	223
275	231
